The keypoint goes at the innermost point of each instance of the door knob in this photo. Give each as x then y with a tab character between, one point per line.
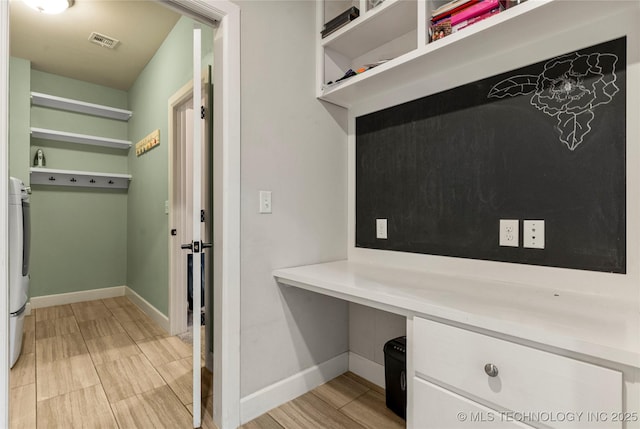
196	246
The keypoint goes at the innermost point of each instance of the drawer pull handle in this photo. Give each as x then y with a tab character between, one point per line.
491	370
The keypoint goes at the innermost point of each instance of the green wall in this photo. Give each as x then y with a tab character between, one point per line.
78	241
78	235
148	228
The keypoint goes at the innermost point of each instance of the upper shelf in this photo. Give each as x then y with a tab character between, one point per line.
508	30
371	30
71	105
79	138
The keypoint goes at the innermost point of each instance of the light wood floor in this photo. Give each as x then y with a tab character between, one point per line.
106	364
348	402
102	364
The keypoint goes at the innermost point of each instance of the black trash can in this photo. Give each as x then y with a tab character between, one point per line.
395	375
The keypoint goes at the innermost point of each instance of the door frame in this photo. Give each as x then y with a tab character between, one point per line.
177	157
177	295
4	211
226	234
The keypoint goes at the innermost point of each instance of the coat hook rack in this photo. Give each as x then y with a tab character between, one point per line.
50	176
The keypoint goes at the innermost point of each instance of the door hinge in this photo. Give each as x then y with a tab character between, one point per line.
201	215
202	112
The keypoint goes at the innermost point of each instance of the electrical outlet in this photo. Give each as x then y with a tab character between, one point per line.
381	228
509	230
533	234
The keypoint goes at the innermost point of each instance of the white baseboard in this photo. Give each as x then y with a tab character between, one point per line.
272	396
27	309
73	297
149	309
90	295
367	369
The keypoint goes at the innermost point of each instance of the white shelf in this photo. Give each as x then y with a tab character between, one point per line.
86	179
64	136
372	29
45	100
505	31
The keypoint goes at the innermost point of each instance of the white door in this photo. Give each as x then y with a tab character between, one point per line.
186	209
196	246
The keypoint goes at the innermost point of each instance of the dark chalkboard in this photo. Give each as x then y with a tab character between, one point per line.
546	141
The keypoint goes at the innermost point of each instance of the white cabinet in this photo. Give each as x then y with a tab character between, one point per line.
573	363
554	390
438	408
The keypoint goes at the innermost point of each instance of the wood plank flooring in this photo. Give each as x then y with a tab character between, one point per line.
102	364
346	402
106	364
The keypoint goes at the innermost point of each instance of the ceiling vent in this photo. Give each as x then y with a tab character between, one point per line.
104	41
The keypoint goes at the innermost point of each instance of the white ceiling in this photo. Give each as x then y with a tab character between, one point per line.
59	44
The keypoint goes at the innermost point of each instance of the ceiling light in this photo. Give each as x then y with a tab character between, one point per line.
51	7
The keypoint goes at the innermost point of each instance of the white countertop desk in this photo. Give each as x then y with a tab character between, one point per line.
592	325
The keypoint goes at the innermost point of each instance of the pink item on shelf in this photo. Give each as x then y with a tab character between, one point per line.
471	21
473	11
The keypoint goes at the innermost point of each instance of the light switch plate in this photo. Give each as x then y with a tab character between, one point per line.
381	229
265	202
533	234
509	231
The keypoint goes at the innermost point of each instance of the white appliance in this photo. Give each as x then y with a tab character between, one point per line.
19	243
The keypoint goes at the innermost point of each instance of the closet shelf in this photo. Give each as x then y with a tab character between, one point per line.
85	179
45	100
55	135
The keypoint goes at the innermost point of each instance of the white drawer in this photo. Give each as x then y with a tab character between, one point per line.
564	392
437	408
